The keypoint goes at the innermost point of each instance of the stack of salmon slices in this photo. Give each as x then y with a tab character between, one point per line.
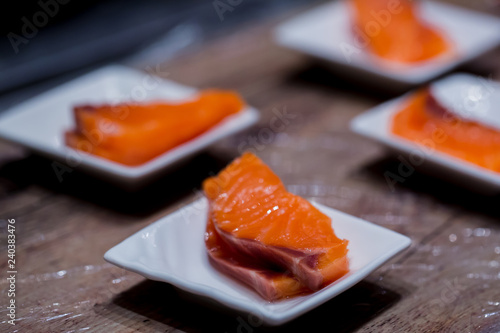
133	134
276	242
395	31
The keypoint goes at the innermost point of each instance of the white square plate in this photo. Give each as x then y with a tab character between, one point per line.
376	123
322	31
39	123
172	250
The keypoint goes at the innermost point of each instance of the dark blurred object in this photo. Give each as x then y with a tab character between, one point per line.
46	38
11	20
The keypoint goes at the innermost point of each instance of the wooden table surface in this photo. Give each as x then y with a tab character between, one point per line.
447	281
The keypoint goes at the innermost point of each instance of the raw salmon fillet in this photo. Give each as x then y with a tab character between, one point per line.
395	31
424	121
132	134
256	216
268	282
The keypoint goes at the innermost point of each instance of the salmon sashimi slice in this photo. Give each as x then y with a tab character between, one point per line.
396	32
267	282
255	215
132	134
424	121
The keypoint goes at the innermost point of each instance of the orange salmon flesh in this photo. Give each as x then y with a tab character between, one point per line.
133	134
394	30
445	132
256	216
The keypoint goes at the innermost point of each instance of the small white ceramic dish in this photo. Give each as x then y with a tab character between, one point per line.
172	250
39	123
376	123
325	32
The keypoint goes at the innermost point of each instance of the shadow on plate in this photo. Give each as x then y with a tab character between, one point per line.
484	65
164	305
169	188
320	76
423	182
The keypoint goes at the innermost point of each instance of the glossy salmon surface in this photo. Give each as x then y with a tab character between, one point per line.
421	120
133	134
394	30
257	217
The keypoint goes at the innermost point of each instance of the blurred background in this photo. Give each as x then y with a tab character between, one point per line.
228	44
58	40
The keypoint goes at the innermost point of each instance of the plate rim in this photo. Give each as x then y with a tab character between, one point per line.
438	68
268	316
248	116
359	126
